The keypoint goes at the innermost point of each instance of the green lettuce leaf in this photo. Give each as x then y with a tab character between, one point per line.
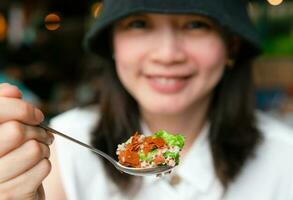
147	157
170	139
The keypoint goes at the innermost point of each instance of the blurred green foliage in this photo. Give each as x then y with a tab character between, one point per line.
281	45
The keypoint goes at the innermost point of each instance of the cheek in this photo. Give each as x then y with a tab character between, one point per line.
128	59
122	51
210	55
122	55
127	49
128	55
125	73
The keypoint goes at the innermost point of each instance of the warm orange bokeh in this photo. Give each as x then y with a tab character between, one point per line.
3	27
52	21
96	9
275	2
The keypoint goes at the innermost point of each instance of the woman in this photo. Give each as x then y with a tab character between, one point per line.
183	66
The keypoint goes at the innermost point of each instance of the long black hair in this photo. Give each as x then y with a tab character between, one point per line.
233	134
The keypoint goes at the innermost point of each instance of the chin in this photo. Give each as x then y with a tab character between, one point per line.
164	104
164	109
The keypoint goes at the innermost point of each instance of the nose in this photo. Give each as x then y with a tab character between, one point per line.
168	48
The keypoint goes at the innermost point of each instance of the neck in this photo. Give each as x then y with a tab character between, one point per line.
188	123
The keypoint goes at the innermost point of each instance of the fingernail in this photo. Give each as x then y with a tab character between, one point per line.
4	84
52	139
39	115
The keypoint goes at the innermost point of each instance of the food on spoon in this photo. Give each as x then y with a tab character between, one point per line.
142	151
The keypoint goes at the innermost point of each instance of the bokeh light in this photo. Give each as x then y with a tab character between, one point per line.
52	21
96	9
275	2
3	27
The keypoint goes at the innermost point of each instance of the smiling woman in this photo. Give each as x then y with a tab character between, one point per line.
170	59
180	66
183	67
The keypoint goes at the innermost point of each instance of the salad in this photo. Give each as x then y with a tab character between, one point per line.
140	151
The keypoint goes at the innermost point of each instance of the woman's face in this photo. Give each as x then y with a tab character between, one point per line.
168	63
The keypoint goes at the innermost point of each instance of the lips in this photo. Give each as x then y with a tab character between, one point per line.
168	83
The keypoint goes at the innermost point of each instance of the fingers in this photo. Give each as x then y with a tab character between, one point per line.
16	109
24	150
7	90
26	185
41	193
13	134
13	108
22	159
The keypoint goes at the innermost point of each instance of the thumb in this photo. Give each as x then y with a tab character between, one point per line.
7	90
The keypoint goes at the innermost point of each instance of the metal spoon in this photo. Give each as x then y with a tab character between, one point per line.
158	171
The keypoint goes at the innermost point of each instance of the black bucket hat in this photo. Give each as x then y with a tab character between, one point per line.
230	14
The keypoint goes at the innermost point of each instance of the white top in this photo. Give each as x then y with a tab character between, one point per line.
269	176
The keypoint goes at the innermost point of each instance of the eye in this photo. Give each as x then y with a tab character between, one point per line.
196	25
137	24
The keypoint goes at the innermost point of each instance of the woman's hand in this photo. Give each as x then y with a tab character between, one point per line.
24	150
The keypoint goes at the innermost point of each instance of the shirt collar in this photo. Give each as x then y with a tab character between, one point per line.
196	169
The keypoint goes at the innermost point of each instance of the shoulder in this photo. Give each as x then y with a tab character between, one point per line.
77	122
271	164
274	130
276	149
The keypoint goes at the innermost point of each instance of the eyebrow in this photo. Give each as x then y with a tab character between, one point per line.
202	18
138	15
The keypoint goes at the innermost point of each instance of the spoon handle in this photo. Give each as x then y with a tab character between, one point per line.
47	128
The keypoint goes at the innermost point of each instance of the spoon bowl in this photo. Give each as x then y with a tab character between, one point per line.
157	171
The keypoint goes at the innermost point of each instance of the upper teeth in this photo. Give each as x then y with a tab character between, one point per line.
166	80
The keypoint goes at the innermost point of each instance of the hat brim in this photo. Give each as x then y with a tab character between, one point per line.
98	38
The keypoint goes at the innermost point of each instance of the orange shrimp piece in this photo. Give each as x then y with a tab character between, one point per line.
129	158
151	143
159	142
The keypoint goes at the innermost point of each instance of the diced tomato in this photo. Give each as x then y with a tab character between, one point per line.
159	160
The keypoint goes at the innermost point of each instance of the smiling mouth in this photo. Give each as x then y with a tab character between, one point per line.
168	84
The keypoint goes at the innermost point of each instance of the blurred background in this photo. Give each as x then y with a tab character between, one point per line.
41	51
